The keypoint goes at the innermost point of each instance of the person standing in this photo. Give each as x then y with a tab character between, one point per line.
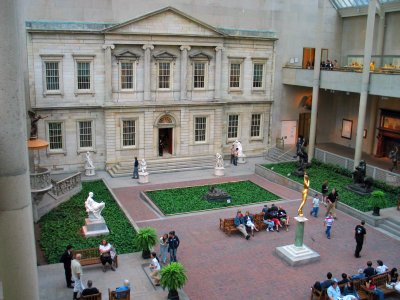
328	222
315	202
135	169
76	269
233	154
164	248
359	235
66	259
173	244
332	199
324	191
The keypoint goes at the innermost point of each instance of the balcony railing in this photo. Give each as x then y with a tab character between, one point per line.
40	180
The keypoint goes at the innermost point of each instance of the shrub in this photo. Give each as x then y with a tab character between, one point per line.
173	276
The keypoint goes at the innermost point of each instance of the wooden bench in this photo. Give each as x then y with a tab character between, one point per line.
123	295
323	295
380	282
91	297
91	256
228	225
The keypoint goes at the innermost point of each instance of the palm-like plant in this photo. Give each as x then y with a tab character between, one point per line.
173	277
145	239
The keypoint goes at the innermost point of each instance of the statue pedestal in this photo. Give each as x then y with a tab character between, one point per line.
298	254
241	159
95	227
90	171
219	171
143	177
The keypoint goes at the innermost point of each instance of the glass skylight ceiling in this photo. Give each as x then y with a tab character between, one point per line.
338	4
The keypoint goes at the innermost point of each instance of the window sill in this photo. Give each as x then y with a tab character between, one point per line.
260	91
56	152
53	93
84	150
78	93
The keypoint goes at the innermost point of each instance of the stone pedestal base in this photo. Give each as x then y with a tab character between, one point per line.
241	159
143	177
95	227
296	256
90	171
219	171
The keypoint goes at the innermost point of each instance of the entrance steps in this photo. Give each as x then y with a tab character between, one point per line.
165	165
279	155
391	225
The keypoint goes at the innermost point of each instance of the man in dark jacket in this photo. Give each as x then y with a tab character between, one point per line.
173	244
66	259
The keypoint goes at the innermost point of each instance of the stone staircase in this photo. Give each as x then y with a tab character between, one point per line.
391	226
165	165
278	155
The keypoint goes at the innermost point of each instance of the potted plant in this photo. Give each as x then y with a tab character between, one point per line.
378	202
145	239
173	277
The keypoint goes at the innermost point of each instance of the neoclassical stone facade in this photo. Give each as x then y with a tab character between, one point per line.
119	90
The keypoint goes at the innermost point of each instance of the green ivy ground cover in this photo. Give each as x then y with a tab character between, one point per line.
339	178
190	199
62	226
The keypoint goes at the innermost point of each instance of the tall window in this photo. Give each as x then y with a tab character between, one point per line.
258	74
85	134
128	133
199	75
234	78
52	76
83	75
55	136
233	124
255	129
200	128
126	75
164	75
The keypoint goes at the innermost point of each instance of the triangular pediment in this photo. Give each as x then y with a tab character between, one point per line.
126	55
166	21
200	55
164	55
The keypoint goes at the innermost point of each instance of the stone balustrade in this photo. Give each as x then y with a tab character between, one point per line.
64	185
40	180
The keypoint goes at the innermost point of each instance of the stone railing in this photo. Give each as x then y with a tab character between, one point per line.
347	163
40	180
66	184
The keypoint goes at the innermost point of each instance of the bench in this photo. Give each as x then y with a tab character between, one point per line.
91	297
91	256
123	295
380	282
323	295
228	225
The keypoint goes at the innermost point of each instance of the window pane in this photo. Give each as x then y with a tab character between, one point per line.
233	123
83	78
126	75
258	75
55	136
199	75
255	125
234	79
85	134
52	76
164	73
200	129
128	132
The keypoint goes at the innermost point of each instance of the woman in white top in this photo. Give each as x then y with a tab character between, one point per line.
155	269
105	249
164	248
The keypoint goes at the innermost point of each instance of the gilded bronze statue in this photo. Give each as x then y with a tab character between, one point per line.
304	195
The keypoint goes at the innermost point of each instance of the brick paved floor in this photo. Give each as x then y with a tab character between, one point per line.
223	267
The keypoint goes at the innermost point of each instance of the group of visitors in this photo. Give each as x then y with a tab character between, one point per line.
329	65
349	292
274	217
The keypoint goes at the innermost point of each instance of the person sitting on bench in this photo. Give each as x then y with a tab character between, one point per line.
240	225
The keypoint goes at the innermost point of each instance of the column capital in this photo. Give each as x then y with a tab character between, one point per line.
111	46
219	48
185	47
148	46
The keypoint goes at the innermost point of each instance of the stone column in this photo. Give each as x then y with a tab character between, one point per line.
315	92
369	35
147	72
184	61
18	270
381	34
107	72
218	72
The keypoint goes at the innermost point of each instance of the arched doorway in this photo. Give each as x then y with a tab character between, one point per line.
166	124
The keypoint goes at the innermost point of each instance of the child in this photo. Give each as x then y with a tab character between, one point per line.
328	222
315	208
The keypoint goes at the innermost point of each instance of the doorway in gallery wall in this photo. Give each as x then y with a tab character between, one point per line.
289	132
165	138
304	126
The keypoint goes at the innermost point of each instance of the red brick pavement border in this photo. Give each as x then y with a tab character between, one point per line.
223	267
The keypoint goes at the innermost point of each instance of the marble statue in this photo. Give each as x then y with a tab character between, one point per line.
89	161
304	195
143	166
94	208
238	145
219	161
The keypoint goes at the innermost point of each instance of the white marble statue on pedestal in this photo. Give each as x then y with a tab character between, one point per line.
89	166
143	174
143	166
94	208
219	165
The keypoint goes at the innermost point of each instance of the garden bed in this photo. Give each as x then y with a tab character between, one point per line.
339	178
62	226
189	199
